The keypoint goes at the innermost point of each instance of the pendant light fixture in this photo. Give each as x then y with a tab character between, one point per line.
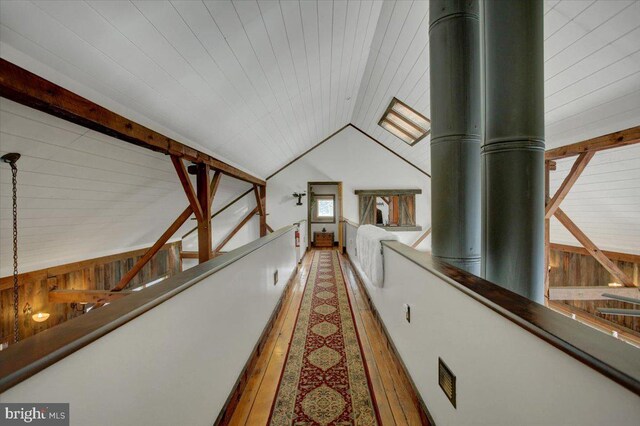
11	159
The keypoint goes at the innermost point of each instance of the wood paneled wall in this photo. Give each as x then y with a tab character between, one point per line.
94	274
569	268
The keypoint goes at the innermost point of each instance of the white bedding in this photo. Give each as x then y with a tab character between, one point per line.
369	251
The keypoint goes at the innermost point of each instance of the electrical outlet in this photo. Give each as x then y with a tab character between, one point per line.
407	312
275	277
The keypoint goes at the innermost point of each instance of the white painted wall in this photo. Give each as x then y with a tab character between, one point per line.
359	163
505	375
177	363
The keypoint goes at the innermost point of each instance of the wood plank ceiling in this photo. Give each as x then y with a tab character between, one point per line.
592	70
255	83
258	83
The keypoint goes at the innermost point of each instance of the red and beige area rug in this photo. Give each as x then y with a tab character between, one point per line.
325	379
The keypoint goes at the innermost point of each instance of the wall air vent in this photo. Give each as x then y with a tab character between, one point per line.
405	123
447	381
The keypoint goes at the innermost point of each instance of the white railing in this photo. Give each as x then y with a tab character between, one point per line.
177	362
527	366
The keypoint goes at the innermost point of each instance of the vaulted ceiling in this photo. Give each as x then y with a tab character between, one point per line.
258	83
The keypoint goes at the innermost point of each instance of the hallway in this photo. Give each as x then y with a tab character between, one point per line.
394	399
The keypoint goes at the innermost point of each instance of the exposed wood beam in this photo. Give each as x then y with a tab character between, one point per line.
154	249
422	237
236	229
215	182
270	229
28	89
575	172
547	228
612	140
194	255
189	254
596	322
229	204
613	255
86	296
593	249
181	170
590	292
256	192
204	224
263	204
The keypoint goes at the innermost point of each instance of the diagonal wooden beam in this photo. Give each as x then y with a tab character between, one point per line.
270	229
422	237
575	172
256	192
593	249
263	203
154	249
215	182
28	89
612	140
236	229
181	170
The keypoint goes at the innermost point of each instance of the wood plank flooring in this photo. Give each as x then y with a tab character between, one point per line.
396	400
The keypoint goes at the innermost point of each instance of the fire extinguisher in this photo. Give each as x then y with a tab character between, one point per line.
297	238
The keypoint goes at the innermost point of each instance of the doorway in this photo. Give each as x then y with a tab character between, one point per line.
324	211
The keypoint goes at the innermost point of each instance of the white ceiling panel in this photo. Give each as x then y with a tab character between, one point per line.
254	83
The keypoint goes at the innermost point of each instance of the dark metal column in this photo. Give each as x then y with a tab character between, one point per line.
513	148
456	131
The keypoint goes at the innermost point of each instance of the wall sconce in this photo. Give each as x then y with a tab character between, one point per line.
299	196
40	316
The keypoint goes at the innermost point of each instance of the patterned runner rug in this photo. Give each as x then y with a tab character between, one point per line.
325	379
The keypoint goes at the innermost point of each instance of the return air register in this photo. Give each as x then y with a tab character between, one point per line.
447	381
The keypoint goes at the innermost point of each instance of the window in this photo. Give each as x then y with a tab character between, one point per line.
405	123
393	209
323	209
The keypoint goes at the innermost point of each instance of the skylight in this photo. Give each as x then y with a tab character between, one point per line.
404	122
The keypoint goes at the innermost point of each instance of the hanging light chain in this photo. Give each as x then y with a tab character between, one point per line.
16	328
